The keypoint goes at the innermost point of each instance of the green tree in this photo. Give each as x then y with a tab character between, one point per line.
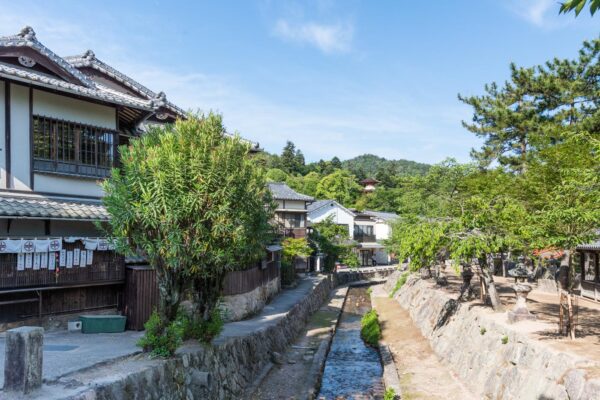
578	5
341	186
276	175
336	163
294	248
288	157
507	118
192	202
332	239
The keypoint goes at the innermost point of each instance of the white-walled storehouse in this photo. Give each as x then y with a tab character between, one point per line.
61	120
321	210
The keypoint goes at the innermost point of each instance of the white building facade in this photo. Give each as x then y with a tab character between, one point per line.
368	229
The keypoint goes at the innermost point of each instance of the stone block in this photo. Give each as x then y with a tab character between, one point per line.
23	359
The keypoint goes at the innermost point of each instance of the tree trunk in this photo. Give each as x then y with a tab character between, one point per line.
207	292
570	283
170	288
488	279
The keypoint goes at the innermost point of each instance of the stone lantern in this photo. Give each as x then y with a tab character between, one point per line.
520	311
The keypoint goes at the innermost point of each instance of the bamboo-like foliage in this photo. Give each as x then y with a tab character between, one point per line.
189	199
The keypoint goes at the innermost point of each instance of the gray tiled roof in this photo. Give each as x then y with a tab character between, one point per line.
590	246
82	85
386	216
281	191
88	59
43	208
318	204
322	203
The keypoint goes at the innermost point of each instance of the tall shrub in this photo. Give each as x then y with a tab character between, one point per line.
189	199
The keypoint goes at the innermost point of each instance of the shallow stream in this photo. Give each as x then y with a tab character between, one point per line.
353	369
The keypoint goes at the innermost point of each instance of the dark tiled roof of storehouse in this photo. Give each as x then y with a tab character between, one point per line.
281	191
41	208
590	246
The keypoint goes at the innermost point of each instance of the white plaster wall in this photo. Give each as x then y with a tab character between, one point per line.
340	216
61	107
67	185
382	231
19	137
294	205
2	138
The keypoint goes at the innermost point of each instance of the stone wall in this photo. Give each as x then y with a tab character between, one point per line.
233	362
240	306
470	341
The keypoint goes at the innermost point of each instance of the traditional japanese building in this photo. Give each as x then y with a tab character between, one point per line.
61	120
369	185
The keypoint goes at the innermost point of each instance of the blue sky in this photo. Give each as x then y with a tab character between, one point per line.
335	77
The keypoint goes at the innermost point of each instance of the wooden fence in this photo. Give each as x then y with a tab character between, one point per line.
238	282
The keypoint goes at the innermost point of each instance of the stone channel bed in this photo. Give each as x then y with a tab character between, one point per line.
496	360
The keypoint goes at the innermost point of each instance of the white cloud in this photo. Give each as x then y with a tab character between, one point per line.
345	124
335	38
541	13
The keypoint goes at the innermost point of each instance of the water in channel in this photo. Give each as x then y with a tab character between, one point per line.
353	369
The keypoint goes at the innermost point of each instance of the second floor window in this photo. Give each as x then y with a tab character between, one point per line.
363	230
70	148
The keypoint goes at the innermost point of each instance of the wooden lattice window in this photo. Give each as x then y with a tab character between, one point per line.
71	148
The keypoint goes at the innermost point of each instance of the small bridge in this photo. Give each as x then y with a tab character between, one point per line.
365	274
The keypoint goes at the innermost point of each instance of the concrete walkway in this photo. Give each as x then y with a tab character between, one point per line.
272	312
66	352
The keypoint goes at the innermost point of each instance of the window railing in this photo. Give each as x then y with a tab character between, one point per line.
364	238
70	148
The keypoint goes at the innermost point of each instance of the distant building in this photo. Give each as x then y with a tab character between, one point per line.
369	229
321	210
291	212
369	185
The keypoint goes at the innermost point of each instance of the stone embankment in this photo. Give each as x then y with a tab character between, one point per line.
493	359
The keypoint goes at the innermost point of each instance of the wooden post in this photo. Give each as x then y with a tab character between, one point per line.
571	320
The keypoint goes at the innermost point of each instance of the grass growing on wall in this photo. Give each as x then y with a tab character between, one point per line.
369	328
390	394
399	283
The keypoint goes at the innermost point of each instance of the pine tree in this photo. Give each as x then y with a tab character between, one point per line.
288	157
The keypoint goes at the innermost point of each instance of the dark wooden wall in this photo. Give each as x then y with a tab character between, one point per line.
61	301
238	282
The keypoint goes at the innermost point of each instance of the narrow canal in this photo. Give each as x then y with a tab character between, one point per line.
353	369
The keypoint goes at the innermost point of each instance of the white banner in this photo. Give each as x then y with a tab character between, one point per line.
69	259
44	260
76	256
52	261
28	260
37	259
11	245
28	246
82	259
90	257
20	262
